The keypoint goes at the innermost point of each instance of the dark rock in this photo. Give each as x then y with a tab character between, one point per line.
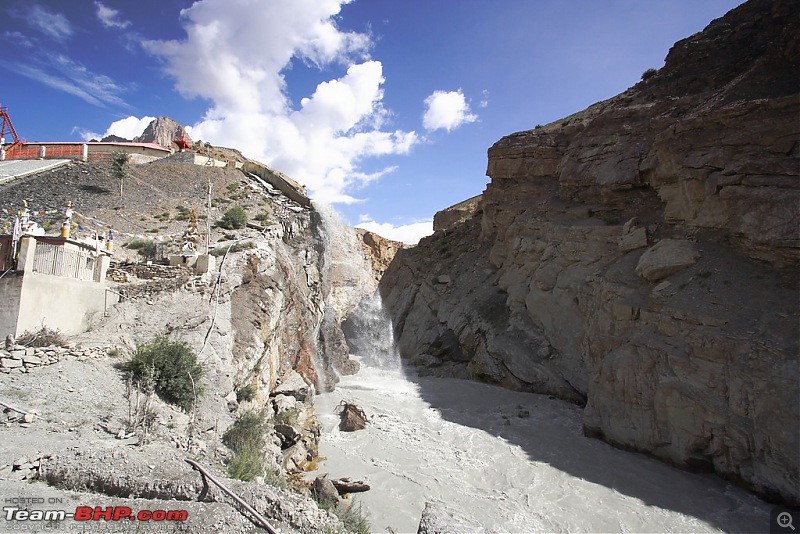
352	417
288	435
324	490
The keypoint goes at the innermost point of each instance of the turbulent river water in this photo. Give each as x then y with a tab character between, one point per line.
465	446
498	460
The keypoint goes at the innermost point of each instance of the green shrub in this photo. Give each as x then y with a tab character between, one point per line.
234	218
238	247
263	217
174	368
649	73
145	247
246	432
274	478
244	438
289	417
246	465
246	393
352	517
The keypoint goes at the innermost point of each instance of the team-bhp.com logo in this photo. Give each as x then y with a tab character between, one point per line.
87	513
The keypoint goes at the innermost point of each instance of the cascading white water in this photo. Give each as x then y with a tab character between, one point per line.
346	278
504	461
369	334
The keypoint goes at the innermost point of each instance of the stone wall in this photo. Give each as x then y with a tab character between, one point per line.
21	359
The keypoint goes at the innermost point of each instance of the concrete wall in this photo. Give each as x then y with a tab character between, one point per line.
58	302
10	293
30	300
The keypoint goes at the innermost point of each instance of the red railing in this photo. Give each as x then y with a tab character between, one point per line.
51	151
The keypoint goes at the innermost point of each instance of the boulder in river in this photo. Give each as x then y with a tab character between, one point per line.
352	417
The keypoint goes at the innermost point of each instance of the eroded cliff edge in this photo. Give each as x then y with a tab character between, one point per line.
640	257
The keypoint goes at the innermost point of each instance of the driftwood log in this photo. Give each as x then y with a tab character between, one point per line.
345	485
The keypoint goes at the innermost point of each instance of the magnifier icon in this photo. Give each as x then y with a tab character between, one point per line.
785	520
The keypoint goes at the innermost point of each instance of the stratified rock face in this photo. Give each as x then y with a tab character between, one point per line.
640	257
163	131
714	134
378	250
457	214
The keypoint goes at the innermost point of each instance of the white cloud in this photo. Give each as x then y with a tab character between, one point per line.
409	234
65	74
110	17
446	110
54	25
128	128
485	100
320	143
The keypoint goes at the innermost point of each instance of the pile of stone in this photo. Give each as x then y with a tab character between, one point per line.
21	469
23	359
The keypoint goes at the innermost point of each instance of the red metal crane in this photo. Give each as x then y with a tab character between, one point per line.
182	143
7	123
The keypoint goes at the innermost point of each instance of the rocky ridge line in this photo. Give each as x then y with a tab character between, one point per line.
639	257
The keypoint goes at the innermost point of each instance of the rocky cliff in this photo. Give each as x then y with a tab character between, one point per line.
640	257
256	323
378	250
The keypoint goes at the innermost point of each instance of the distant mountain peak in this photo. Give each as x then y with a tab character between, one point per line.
163	131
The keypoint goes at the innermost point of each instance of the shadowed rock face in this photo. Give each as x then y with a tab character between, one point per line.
639	257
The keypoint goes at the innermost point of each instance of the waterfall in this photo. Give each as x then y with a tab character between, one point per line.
346	280
369	334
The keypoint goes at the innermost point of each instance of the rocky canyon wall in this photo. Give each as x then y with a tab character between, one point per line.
640	257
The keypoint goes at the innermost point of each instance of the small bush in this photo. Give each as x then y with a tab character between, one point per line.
352	517
263	218
174	369
234	218
246	432
43	338
244	438
649	73
289	417
246	465
246	393
274	478
238	247
145	247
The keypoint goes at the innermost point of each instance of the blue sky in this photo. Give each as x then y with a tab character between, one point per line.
384	108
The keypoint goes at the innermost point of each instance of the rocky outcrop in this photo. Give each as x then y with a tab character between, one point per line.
163	131
378	250
456	214
639	257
